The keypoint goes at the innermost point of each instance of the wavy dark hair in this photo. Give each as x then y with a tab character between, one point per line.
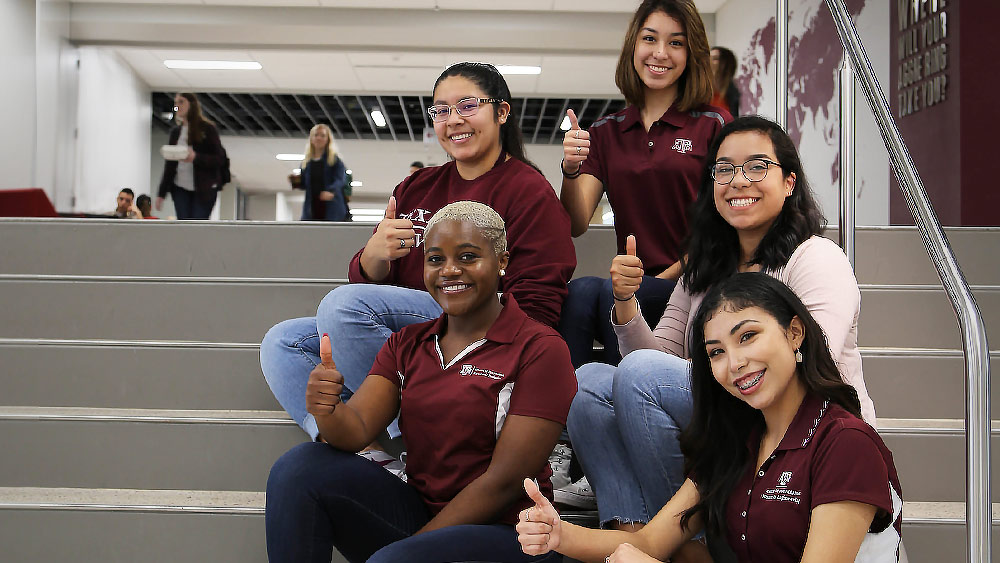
491	82
196	121
727	69
715	441
712	246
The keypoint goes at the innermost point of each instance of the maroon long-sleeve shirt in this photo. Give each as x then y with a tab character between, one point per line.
542	257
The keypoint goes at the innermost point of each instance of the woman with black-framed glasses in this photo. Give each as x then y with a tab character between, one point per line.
754	213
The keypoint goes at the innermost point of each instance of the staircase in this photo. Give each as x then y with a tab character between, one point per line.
135	424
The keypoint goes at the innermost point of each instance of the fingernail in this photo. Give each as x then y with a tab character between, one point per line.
326	335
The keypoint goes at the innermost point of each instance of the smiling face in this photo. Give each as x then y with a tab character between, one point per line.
474	142
461	268
751	207
753	357
661	52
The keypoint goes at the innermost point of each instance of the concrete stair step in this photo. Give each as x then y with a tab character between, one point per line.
133	374
142	448
131	525
243	309
225	310
929	455
919	316
921	382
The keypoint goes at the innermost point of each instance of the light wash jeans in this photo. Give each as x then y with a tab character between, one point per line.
359	319
625	424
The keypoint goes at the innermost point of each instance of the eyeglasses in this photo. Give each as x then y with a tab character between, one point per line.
466	108
753	170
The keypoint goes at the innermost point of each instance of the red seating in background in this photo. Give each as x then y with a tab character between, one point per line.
26	202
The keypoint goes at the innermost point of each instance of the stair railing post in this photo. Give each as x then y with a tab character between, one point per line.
978	517
781	64
848	189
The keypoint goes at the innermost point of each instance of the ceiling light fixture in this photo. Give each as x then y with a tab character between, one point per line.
515	69
378	118
212	65
289	156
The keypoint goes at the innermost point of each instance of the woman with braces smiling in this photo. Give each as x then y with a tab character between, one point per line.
754	213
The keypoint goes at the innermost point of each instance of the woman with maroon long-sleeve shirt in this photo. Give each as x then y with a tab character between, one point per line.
476	126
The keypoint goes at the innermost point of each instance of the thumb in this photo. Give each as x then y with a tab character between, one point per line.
326	352
630	245
573	123
390	210
534	494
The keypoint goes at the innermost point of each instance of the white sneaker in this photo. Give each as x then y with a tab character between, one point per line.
559	462
389	463
578	495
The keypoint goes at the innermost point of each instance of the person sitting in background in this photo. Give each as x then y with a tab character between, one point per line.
482	395
126	208
726	95
145	205
475	125
415	165
773	417
324	177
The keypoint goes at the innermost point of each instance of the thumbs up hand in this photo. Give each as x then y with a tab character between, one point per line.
393	239
539	527
576	145
325	382
626	272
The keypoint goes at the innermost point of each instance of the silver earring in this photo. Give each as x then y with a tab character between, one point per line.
503	272
798	356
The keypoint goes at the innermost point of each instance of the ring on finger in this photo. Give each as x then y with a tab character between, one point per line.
577	134
578	149
402	243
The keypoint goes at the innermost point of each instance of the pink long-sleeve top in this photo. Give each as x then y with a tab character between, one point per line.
819	274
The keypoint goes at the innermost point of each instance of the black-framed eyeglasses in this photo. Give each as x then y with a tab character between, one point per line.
466	107
754	170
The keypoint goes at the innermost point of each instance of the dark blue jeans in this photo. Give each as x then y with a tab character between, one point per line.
189	205
586	315
320	498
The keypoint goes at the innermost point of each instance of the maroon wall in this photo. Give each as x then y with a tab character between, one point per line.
955	106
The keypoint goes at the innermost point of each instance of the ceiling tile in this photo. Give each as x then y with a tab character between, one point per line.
308	70
150	68
398	80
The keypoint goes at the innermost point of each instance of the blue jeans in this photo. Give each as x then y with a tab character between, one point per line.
320	498
586	315
359	319
625	424
189	205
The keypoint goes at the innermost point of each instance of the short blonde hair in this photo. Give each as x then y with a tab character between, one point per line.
331	149
488	221
695	84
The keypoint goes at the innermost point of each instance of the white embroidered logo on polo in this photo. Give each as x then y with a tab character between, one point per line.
682	145
469	369
419	218
781	492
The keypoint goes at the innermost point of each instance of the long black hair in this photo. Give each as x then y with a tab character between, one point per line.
491	82
712	246
715	441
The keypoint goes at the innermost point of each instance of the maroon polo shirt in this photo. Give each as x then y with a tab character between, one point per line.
451	415
652	177
542	256
827	455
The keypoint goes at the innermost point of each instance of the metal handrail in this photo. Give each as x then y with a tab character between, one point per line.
977	370
781	64
848	191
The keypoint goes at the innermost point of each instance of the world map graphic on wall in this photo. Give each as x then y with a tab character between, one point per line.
814	59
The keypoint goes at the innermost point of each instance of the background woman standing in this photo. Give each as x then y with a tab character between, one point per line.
323	177
194	181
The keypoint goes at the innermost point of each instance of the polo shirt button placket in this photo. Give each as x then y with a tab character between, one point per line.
651	144
743	537
744	514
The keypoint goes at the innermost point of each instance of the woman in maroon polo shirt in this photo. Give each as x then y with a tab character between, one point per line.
772	417
482	395
647	158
